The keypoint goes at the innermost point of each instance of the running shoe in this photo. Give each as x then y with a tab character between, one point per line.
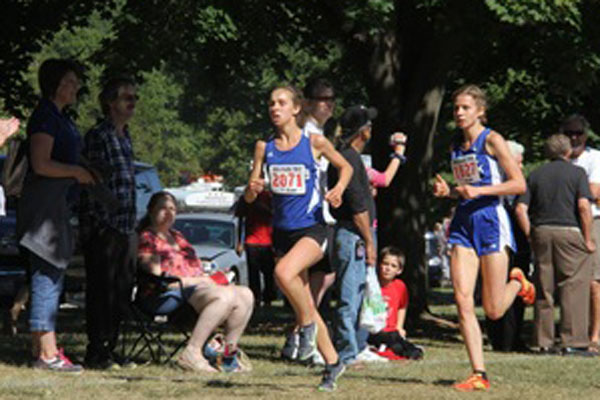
290	347
307	345
60	363
330	375
527	292
472	383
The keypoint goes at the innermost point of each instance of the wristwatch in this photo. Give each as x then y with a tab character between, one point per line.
399	157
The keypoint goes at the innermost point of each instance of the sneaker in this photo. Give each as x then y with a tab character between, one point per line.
527	292
472	383
100	362
290	347
412	351
123	362
369	356
549	351
330	375
578	352
307	345
60	363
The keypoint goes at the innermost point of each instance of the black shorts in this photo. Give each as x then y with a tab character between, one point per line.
326	263
283	241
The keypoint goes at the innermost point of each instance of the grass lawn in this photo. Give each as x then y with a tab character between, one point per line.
513	375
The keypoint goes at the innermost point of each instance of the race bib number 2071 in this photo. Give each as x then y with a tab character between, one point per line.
465	169
288	179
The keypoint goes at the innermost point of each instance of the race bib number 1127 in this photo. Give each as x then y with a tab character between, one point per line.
288	179
465	169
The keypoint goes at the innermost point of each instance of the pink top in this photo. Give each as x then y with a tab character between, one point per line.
180	262
376	178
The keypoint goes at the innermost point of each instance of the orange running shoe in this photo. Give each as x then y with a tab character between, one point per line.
527	292
472	383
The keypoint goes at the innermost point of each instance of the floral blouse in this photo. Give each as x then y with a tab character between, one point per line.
181	262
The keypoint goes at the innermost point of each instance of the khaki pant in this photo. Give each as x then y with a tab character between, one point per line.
561	261
596	255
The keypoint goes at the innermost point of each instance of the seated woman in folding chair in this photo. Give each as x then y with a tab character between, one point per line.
163	250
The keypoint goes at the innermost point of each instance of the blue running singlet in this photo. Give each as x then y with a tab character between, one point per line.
293	178
481	223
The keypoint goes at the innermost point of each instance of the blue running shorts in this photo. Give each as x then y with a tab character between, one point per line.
486	229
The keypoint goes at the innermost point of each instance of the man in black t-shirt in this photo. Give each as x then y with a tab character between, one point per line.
354	247
555	214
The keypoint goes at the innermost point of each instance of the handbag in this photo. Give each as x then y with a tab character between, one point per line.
15	167
373	314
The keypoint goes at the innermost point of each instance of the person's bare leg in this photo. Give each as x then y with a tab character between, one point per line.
305	253
237	320
497	294
464	265
320	281
292	277
43	345
213	308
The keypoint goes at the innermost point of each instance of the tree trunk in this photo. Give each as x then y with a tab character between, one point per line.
407	76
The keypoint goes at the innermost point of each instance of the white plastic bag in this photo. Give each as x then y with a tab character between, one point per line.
373	313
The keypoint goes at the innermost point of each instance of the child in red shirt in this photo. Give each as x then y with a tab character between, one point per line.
391	341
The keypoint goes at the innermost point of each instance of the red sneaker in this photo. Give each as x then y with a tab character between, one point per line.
472	383
527	292
59	363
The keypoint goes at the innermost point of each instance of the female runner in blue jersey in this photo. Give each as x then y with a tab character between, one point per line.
299	235
480	232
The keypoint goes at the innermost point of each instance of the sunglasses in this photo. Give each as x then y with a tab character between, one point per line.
323	98
129	98
574	132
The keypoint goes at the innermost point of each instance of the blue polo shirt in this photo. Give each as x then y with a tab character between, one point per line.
47	118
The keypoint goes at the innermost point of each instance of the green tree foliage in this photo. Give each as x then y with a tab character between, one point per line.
158	134
26	26
206	68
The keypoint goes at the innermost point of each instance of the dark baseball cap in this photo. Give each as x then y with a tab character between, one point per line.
356	117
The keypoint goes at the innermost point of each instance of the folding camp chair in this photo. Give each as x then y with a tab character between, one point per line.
146	330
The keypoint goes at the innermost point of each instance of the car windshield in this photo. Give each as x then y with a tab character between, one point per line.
207	231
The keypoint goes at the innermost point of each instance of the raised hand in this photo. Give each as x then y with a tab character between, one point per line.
256	186
440	187
334	197
398	142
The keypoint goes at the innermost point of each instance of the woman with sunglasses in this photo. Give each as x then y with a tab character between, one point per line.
49	193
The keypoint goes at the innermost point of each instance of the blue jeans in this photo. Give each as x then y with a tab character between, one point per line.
169	301
351	276
46	286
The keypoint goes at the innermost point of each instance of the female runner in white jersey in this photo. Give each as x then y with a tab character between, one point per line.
480	231
299	236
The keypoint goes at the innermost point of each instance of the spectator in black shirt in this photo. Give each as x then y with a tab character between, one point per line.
354	247
557	203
